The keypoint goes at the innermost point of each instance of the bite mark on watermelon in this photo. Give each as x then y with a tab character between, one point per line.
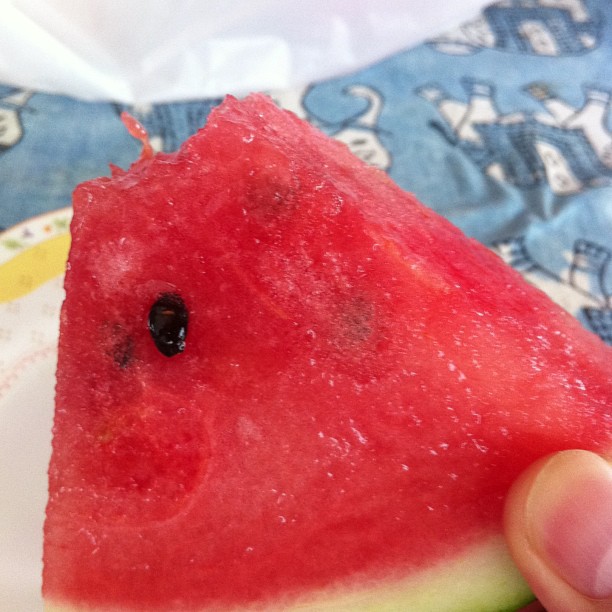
359	386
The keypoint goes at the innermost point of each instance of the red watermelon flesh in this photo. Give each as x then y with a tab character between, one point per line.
359	386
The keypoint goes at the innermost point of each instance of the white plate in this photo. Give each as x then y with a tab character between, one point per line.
32	259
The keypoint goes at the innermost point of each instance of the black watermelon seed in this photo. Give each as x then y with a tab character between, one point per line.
168	319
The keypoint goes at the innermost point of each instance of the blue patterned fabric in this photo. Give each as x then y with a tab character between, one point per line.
502	125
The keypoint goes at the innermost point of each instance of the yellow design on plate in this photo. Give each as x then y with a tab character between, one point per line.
33	267
32	253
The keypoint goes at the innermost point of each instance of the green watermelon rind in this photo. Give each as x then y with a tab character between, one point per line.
483	579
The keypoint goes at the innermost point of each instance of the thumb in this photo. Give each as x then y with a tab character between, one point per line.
558	524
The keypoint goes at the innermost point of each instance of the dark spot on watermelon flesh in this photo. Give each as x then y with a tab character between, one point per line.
357	319
267	193
118	344
168	319
123	352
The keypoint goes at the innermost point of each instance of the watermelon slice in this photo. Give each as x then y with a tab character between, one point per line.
283	383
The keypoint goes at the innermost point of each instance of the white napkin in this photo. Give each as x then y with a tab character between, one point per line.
144	51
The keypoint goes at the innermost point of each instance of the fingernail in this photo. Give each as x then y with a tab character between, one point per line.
569	517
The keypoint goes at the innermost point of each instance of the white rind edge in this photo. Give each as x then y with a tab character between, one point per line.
483	579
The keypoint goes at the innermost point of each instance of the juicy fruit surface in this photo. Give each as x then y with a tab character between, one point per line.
360	383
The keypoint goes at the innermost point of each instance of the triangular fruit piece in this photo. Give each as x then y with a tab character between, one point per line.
284	383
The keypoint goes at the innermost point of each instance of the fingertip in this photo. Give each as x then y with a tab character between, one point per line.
558	524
